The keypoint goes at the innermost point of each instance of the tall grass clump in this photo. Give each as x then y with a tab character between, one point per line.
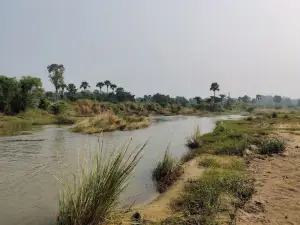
166	172
272	146
193	141
93	193
203	198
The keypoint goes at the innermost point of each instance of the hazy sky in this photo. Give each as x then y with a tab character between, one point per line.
177	47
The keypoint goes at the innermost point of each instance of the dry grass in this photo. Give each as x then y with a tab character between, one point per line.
109	121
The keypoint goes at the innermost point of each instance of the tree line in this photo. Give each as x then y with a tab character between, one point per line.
27	92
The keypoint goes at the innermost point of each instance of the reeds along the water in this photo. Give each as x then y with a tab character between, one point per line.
93	193
167	171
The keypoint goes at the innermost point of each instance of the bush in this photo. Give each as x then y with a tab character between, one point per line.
231	147
167	171
203	197
44	104
58	107
91	195
272	146
274	115
193	141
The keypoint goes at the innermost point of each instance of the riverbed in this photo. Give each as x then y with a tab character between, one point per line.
30	163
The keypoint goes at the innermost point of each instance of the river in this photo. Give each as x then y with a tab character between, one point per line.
28	189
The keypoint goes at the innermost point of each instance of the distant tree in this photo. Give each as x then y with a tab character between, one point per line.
222	96
84	85
277	99
56	75
62	86
246	98
71	88
198	99
107	83
100	85
120	89
298	102
214	87
113	87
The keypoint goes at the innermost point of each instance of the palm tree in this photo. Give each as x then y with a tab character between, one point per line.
107	83
258	97
71	88
100	85
113	87
222	96
84	85
62	86
119	89
198	99
214	87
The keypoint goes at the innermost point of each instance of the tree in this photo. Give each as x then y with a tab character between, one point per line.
113	87
277	99
214	87
56	75
222	96
31	91
198	99
119	89
84	85
71	88
100	85
246	99
63	86
107	83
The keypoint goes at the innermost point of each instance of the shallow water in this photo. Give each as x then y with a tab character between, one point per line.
28	189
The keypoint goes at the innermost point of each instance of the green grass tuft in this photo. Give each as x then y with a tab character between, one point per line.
272	146
94	192
167	172
193	141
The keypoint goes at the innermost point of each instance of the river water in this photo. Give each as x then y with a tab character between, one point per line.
28	189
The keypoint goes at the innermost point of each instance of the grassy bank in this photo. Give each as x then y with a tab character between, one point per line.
109	121
29	120
226	183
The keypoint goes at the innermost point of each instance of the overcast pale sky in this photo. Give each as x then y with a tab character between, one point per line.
177	47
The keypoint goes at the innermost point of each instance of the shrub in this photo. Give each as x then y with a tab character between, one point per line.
58	107
286	116
250	109
193	141
91	195
166	172
44	104
203	198
231	147
272	146
274	115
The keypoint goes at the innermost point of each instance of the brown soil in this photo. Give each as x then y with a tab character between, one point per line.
277	200
160	208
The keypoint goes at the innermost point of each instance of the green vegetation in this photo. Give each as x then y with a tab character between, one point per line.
193	141
166	172
272	146
226	184
108	121
90	196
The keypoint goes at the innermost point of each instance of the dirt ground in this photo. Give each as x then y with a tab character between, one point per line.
277	200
